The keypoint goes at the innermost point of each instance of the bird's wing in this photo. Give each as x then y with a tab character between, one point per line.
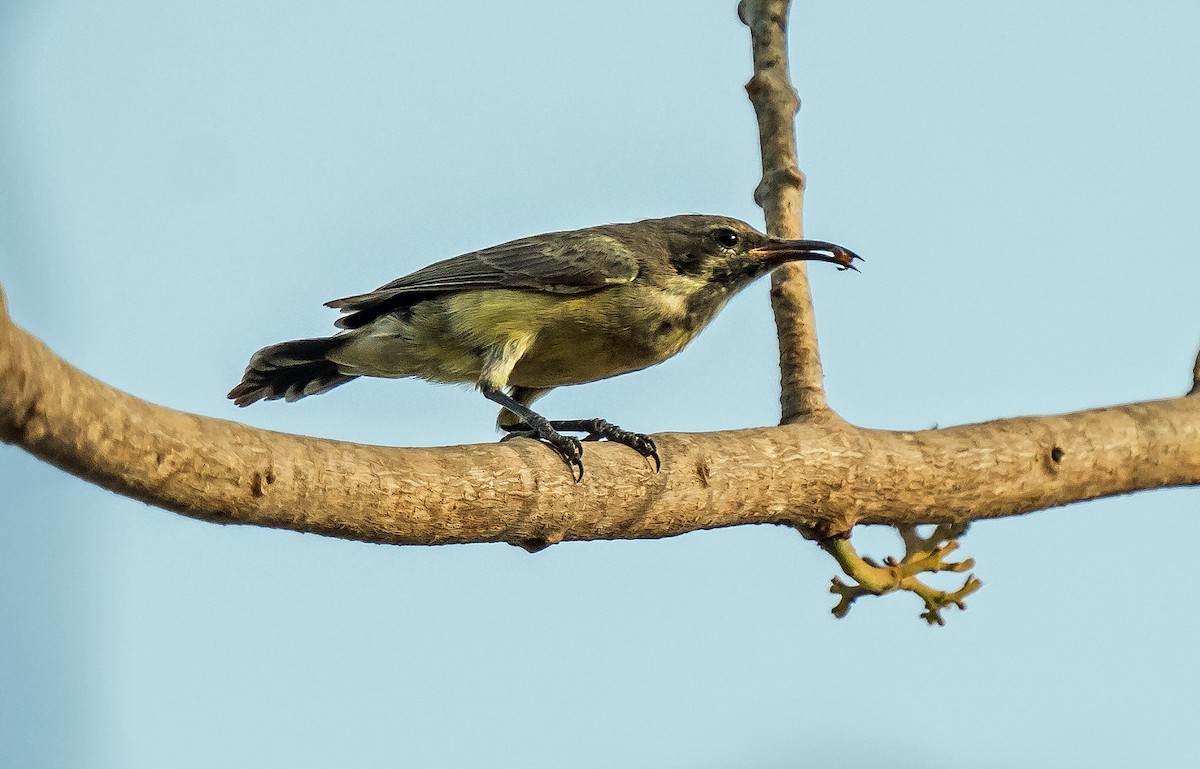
567	263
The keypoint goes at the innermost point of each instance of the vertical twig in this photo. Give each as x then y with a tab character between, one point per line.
781	195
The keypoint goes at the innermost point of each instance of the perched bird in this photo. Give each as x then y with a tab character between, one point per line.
523	317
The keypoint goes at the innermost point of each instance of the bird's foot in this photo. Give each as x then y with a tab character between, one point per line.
568	447
571	450
597	429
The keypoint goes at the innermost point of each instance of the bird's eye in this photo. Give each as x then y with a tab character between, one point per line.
726	238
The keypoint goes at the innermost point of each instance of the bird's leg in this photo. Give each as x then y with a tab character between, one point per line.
508	421
537	426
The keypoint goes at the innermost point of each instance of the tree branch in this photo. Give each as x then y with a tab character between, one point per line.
820	473
781	195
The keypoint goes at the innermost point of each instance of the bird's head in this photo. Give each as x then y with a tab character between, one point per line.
728	254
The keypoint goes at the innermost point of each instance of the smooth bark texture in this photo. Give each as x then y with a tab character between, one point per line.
821	473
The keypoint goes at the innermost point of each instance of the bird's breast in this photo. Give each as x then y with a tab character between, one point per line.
585	338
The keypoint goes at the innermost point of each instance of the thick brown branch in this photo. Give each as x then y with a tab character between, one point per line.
781	194
819	473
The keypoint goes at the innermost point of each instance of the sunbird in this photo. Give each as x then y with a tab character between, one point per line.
523	317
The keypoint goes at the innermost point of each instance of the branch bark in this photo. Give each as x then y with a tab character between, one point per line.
781	195
819	474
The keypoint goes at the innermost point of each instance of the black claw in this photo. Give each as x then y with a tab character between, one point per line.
570	448
597	429
644	445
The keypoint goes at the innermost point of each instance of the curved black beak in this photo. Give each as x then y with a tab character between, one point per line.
777	251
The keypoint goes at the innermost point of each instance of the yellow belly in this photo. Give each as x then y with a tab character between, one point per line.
526	338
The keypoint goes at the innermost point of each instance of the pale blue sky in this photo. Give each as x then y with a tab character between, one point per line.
184	182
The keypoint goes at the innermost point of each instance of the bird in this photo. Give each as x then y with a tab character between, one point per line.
521	318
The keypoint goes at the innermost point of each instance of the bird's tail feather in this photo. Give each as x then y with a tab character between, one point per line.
290	370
